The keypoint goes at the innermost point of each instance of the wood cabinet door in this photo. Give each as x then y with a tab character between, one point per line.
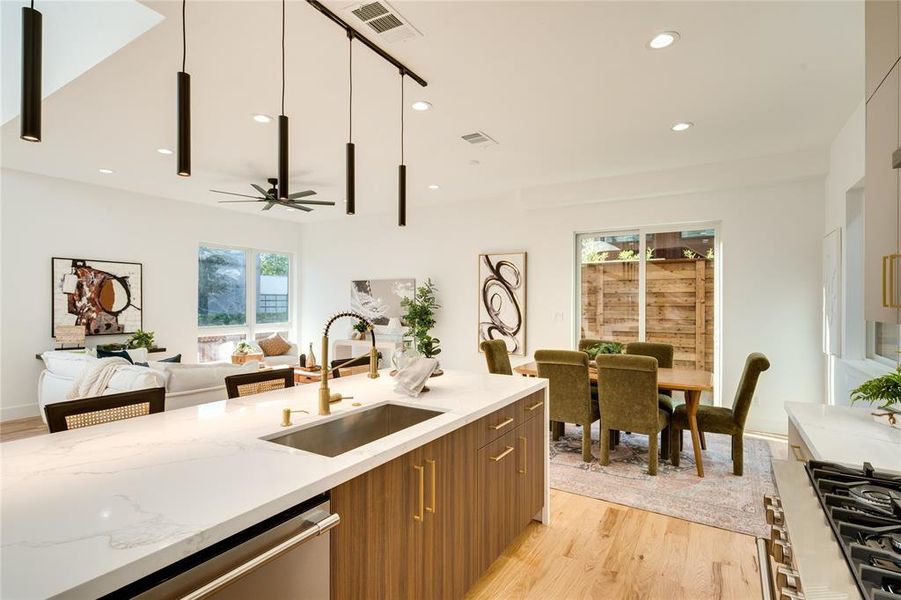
529	471
496	466
376	550
881	218
882	43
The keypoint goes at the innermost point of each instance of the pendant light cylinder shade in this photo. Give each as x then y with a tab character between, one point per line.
184	124
282	157
30	116
351	184
402	195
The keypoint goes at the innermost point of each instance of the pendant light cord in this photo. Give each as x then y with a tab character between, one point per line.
350	80
283	57
401	117
184	36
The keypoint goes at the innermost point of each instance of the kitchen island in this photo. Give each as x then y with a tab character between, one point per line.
88	511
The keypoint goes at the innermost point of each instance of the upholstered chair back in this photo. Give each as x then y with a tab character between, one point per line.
627	392
570	392
755	364
497	357
662	352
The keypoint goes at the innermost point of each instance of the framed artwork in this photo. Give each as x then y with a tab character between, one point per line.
103	296
502	300
379	299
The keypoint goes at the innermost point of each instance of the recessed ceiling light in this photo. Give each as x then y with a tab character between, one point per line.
663	40
106	171
434	186
164	151
262	118
421	105
682	126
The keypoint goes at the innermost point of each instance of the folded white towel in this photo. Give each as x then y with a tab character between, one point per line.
414	375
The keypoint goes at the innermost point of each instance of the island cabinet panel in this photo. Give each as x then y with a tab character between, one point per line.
429	523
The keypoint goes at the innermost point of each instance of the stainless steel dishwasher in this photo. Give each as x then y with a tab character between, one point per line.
285	557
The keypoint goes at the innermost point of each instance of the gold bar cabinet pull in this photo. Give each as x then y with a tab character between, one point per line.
502	454
525	456
502	424
535	406
421	471
434	508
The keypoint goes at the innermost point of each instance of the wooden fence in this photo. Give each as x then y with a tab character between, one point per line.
679	305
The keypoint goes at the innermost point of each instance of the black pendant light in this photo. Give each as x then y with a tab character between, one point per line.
30	119
283	128
350	187
184	106
402	168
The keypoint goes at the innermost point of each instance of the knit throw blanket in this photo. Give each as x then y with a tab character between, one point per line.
95	378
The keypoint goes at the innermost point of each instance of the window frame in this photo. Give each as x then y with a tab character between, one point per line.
643	231
250	328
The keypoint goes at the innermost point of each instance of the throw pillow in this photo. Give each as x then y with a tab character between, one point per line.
274	345
173	359
101	353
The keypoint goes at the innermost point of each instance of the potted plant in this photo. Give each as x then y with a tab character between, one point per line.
420	318
243	348
604	348
141	339
359	330
885	391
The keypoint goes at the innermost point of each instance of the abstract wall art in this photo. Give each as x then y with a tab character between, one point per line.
105	297
502	300
379	299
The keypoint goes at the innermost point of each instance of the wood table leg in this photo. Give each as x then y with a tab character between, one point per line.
692	400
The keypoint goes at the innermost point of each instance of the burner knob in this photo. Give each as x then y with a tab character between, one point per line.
790	594
787	577
769	501
781	551
774	515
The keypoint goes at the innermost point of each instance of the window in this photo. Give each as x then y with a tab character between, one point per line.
655	286
883	342
243	294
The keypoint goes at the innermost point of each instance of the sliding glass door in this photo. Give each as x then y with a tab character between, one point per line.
650	285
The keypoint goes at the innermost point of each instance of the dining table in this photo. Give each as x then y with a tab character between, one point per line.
693	382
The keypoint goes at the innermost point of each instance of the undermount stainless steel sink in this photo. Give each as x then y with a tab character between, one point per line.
354	430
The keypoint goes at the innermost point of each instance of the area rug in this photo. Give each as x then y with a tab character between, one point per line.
720	499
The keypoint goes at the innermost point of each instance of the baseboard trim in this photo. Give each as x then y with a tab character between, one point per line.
19	411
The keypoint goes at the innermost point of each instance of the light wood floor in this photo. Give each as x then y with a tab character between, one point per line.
595	549
599	550
21	428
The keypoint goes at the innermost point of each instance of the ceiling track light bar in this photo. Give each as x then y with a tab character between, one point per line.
356	35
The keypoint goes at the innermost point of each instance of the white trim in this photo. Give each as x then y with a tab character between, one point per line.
19	411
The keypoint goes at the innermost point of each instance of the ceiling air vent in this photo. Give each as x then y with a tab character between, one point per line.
479	138
383	19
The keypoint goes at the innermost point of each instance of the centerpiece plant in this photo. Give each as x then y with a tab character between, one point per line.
420	318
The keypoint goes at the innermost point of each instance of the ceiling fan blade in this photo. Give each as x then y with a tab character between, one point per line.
317	202
240	201
260	190
303	208
234	194
269	205
301	194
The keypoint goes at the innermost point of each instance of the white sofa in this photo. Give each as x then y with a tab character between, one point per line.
186	384
288	358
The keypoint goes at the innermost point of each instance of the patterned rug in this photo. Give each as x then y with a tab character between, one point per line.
719	499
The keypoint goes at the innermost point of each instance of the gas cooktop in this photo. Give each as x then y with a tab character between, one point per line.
864	510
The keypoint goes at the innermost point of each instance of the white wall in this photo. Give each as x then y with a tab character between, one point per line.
771	237
42	217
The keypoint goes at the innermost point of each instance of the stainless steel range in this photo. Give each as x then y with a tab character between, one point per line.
836	532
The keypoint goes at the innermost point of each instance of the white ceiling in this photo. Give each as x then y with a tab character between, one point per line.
568	89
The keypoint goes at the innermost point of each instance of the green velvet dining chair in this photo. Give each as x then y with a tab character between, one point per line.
722	420
497	357
627	388
569	391
664	355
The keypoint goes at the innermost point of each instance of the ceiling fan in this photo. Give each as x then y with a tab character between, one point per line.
270	197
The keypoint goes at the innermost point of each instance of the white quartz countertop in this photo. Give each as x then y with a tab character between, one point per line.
846	435
87	511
